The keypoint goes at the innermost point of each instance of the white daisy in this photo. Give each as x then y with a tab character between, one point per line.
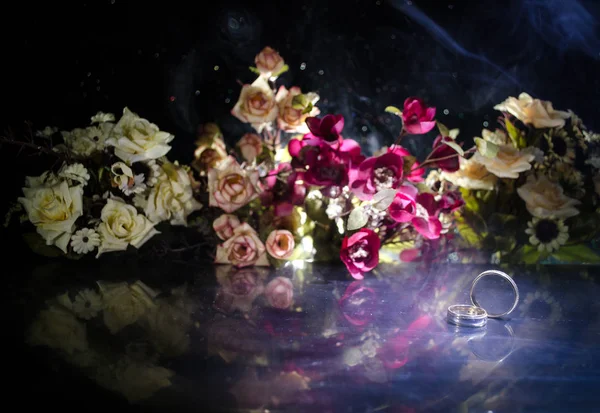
75	172
547	233
87	303
559	145
136	187
102	117
47	132
85	240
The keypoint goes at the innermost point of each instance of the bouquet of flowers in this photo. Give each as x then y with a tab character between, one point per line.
319	196
531	189
112	185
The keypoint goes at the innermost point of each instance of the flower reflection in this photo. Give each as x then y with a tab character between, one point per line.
238	288
277	390
541	305
358	304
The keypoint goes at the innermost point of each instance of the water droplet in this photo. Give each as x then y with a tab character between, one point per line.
172	98
451	6
227	100
156	55
364	128
89	74
486	124
454	75
321	72
98	88
446	111
112	1
197	92
409	3
393	37
81	84
302	66
97	80
378	3
139	51
233	24
216	68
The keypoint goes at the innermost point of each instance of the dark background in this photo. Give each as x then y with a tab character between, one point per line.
61	63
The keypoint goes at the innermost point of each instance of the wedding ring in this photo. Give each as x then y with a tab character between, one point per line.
507	278
467	315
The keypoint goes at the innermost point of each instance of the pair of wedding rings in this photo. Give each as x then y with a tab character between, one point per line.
474	315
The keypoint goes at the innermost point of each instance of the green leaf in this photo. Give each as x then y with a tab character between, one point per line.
38	245
529	255
394	110
456	147
308	108
358	218
579	253
443	129
515	135
471	201
487	149
254	70
383	199
300	101
468	234
284	69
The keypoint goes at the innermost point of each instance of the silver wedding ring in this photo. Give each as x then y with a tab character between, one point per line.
507	278
464	315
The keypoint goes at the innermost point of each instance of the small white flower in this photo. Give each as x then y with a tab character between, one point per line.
102	117
547	233
47	132
87	303
137	187
75	172
85	240
155	173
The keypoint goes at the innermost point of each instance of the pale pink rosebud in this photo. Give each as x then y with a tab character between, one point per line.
224	226
251	146
280	244
269	62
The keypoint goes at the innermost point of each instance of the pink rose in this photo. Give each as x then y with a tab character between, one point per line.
251	146
280	292
404	206
269	62
360	252
243	249
224	226
280	244
358	304
426	222
283	196
377	173
325	165
238	288
415	174
329	128
292	119
230	187
256	105
394	353
449	159
417	117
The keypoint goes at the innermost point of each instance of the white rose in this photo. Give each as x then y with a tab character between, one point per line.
471	175
290	118
136	139
75	172
256	104
172	197
122	225
53	209
532	111
545	199
509	161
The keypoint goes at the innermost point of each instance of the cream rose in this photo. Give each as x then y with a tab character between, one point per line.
532	111
244	248
291	119
280	292
509	161
230	187
251	146
210	148
53	209
224	226
269	63
59	329
136	139
172	198
471	175
545	199
256	105
122	225
280	244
